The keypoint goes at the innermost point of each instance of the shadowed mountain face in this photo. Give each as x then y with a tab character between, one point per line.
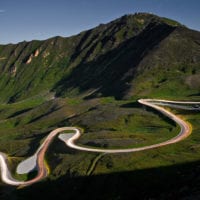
135	55
111	73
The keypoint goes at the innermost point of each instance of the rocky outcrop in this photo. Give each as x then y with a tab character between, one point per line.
36	53
29	59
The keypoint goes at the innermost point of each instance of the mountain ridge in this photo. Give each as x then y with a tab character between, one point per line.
56	64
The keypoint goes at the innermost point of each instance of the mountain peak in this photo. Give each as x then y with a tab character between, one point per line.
130	25
145	18
113	59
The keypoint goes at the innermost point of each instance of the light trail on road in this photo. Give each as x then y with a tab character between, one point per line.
42	170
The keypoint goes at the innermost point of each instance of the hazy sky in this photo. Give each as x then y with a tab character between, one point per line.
40	19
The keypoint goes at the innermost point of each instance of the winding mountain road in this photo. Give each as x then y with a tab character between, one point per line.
72	137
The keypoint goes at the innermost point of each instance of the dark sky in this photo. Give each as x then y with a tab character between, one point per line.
40	19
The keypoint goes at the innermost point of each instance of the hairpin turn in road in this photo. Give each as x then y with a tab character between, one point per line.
42	170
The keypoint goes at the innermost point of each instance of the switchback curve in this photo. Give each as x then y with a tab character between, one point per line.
70	142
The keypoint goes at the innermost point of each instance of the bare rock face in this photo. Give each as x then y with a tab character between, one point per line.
29	59
36	53
193	81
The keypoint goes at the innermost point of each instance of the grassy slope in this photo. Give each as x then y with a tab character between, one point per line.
120	58
104	121
171	70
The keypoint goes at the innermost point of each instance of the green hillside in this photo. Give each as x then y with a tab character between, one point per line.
135	55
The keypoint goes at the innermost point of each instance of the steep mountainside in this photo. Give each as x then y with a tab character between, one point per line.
139	54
